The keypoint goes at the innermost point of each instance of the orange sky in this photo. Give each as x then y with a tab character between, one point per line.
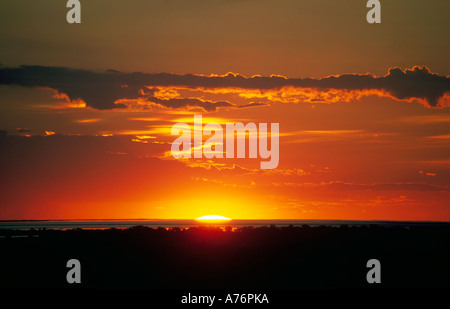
97	148
373	158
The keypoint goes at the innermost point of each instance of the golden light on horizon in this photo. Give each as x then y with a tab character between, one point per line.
212	218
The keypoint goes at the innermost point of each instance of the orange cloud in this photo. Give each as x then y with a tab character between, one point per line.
88	120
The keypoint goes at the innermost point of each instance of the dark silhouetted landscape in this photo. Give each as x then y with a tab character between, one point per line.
291	257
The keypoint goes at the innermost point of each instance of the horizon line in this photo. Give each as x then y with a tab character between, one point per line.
194	219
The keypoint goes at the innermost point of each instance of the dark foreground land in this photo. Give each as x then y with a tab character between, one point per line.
249	258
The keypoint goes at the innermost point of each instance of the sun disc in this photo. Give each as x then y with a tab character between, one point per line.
213	218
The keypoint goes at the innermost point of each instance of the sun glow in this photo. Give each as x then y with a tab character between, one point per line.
212	218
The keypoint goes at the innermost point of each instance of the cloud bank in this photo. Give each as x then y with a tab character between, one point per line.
105	90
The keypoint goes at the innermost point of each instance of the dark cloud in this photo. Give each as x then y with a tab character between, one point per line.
98	90
101	90
418	82
252	104
208	106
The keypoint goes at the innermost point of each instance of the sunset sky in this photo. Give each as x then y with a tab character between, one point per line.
86	110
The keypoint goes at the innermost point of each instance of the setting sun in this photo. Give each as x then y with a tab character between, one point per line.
212	218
